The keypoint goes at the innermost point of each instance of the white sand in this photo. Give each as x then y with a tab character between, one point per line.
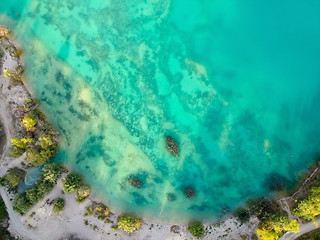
45	225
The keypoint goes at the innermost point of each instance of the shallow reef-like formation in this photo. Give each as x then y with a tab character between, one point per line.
172	146
135	182
190	192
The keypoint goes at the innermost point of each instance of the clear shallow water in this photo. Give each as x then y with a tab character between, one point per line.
237	83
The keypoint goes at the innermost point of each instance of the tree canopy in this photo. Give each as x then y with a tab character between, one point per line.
71	182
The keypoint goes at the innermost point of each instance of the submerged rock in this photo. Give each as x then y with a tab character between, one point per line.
135	182
172	146
189	192
171	196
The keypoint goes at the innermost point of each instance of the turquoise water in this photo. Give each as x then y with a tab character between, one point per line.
237	83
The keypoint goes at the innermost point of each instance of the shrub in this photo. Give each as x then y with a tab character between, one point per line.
72	182
102	212
82	193
128	223
196	229
14	176
15	76
58	205
90	211
21	204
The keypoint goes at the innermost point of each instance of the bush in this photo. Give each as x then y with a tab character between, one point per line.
15	76
196	229
82	193
21	204
58	205
129	224
14	176
72	182
90	211
102	211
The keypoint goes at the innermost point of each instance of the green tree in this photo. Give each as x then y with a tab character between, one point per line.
82	193
196	229
275	225
72	182
33	195
14	176
21	204
29	124
58	205
15	152
128	223
52	172
309	208
38	157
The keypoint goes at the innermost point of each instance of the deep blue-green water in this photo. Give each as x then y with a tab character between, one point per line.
236	83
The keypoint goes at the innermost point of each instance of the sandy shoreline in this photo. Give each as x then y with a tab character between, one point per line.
47	225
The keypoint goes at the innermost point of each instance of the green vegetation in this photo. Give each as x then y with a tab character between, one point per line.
58	205
309	208
313	235
29	124
4	217
129	224
275	225
196	229
90	211
21	204
52	172
44	185
15	152
101	211
22	143
39	156
72	182
82	193
15	76
243	215
42	146
14	176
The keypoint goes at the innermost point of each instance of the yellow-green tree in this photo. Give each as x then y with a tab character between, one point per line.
309	208
129	223
22	143
276	225
82	193
29	124
46	141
